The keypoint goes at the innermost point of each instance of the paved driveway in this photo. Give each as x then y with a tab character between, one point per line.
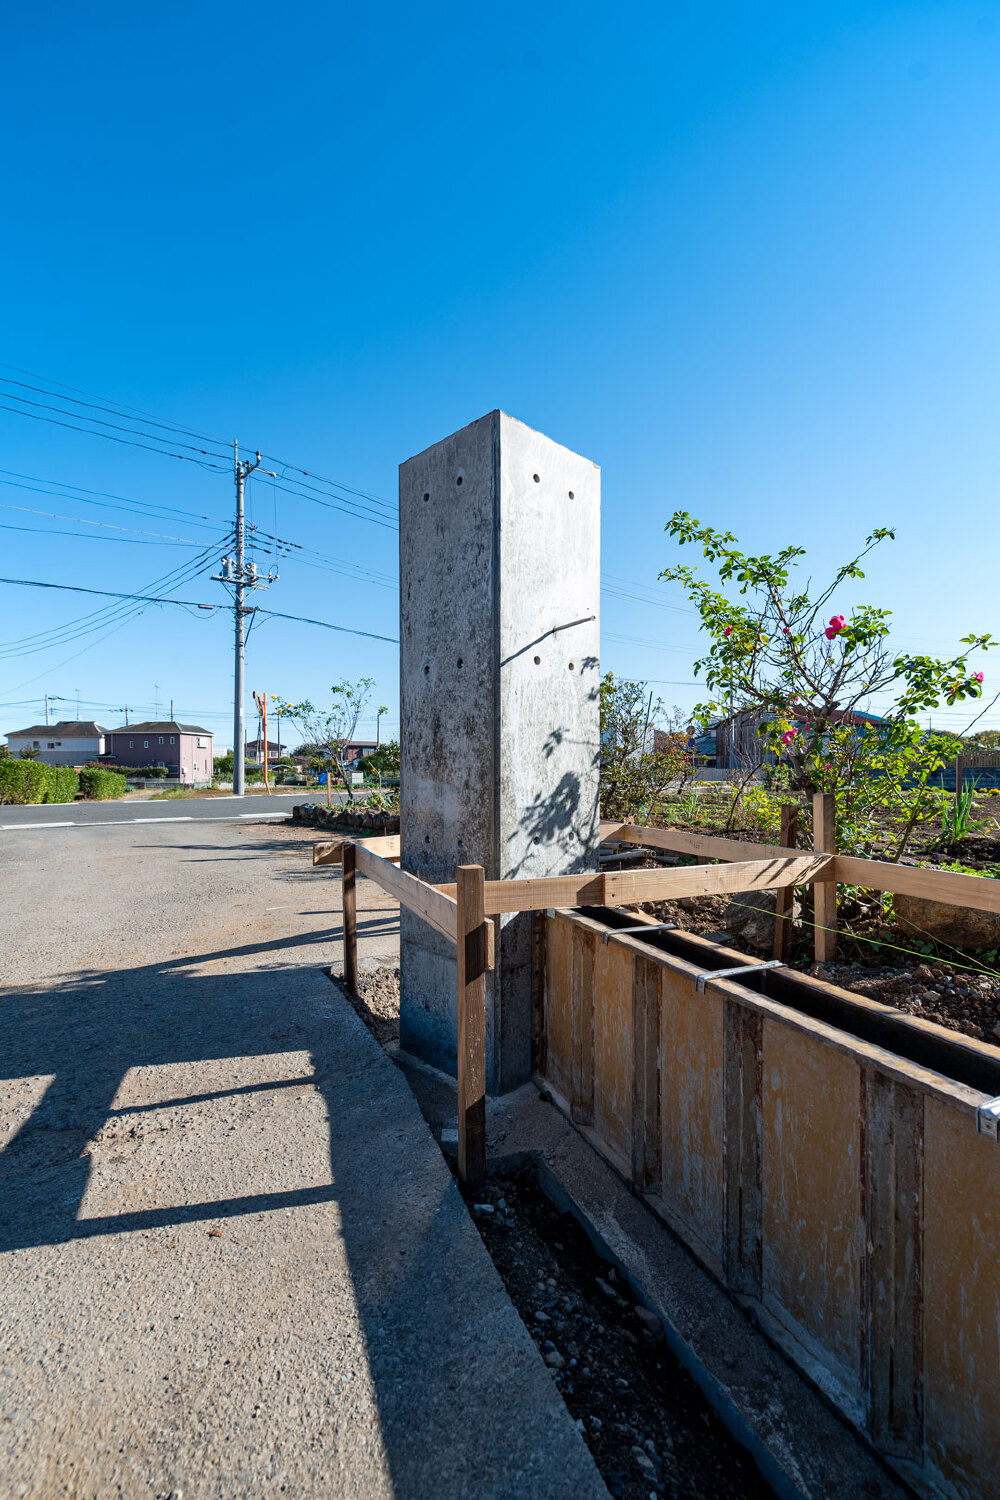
232	1260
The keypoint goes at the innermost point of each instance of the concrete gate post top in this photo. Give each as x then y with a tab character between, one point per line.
499	693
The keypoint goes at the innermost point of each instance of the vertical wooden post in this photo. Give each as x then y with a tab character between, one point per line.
785	895
959	776
825	842
538	1038
470	889
350	909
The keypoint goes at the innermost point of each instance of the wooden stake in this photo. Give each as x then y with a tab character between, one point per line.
350	910
785	895
470	890
825	842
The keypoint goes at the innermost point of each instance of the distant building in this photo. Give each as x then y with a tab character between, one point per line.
71	742
355	750
185	750
253	751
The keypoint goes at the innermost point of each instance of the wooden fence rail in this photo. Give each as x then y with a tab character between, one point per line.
462	913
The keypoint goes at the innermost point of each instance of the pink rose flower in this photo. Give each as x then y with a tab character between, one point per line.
830	632
977	676
837	621
788	736
728	630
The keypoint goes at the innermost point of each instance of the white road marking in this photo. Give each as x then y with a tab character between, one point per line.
39	825
261	817
163	818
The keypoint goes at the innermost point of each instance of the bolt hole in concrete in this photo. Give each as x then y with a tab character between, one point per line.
649	1428
459	479
427	671
571	666
536	478
538	661
427	494
459	661
570	493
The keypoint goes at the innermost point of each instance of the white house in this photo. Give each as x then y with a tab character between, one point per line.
71	742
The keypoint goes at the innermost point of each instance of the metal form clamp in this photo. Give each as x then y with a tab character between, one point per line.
988	1118
701	980
644	928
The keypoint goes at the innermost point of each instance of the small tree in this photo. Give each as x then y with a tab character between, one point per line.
803	680
638	761
384	761
329	731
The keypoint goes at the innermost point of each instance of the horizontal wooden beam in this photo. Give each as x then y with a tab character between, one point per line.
978	892
622	886
676	841
437	909
537	895
329	852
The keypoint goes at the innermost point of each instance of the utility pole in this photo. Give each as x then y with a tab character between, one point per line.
242	576
46	708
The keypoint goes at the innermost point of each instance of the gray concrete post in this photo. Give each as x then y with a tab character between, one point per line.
499	560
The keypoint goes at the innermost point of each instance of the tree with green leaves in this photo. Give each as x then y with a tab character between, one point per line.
639	759
332	729
384	761
805	678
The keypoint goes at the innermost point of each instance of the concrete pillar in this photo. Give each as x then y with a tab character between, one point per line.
499	561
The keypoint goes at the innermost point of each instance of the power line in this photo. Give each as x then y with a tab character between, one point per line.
83	497
303	620
98	421
107	525
87	536
128	443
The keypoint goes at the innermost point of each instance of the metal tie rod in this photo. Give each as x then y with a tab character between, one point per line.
701	980
645	927
988	1118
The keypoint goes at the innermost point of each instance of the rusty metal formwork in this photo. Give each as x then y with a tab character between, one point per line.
834	1164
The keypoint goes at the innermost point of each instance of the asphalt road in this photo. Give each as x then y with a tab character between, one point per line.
176	810
233	1263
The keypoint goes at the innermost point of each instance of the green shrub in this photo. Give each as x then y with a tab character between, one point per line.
23	781
63	784
99	785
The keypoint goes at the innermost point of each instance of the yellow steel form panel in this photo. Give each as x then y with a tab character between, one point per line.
559	1005
812	1229
692	1112
613	1044
961	1287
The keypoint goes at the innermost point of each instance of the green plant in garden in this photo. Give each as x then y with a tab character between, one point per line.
958	815
329	731
635	776
383	762
803	678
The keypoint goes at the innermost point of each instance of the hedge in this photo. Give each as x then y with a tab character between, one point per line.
98	784
23	781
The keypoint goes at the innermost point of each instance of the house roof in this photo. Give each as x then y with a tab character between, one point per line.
78	729
165	726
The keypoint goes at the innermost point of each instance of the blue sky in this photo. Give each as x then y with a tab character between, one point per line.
743	256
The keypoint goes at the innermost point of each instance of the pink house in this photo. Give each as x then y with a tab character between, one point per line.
184	749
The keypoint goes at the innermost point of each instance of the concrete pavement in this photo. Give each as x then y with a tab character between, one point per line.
232	1260
175	810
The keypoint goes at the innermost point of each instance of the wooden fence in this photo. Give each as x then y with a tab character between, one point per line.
832	1162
